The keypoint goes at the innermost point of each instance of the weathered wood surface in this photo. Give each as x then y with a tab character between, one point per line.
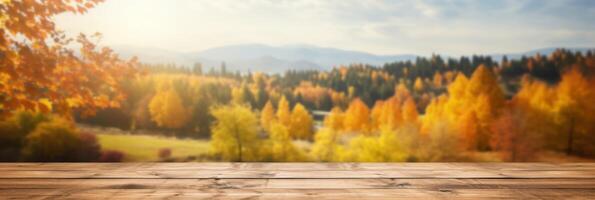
297	181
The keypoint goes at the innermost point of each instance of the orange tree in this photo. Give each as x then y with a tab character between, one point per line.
39	72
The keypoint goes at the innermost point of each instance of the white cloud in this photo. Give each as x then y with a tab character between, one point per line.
385	27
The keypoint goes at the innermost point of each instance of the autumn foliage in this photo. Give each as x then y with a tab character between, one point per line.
430	109
40	75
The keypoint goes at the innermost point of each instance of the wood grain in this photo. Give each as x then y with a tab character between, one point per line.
297	181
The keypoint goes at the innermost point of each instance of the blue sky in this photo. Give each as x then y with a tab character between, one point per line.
453	27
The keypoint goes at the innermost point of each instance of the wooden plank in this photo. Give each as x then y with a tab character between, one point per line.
318	194
297	180
348	174
88	184
300	166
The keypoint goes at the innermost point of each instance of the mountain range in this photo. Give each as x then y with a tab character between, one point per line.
276	59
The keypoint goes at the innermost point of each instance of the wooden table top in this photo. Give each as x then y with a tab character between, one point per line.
297	181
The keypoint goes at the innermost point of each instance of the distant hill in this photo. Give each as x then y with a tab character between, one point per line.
281	58
275	59
258	57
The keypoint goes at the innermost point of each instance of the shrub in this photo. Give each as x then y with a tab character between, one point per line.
90	150
11	139
28	121
14	130
56	140
111	156
164	153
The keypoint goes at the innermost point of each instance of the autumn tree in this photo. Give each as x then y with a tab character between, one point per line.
533	108
440	143
234	135
40	73
386	113
167	109
437	80
410	114
479	97
484	88
357	117
283	112
469	130
243	95
301	123
334	120
386	147
282	147
327	146
418	85
267	115
401	92
574	111
513	136
435	112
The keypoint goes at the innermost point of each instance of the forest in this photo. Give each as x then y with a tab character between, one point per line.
431	109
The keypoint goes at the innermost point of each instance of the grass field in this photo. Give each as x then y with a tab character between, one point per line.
145	148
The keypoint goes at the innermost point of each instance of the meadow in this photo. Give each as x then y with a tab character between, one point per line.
146	148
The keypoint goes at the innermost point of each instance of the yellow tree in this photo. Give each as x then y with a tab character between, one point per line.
40	73
435	111
167	109
326	146
283	112
357	117
437	80
574	110
267	115
401	92
334	120
242	95
534	110
483	86
441	143
387	114
486	98
234	135
469	128
418	85
282	147
457	93
376	113
301	123
386	147
410	114
481	95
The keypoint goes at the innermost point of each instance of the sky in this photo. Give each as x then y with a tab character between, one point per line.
423	27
